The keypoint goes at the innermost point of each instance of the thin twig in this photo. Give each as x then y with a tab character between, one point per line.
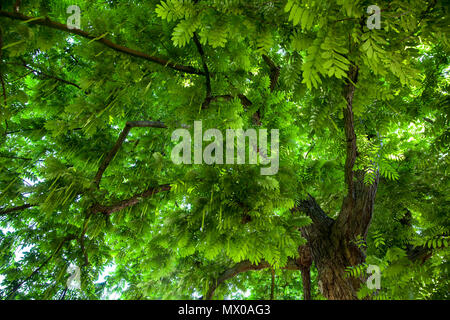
81	239
272	287
49	76
15	157
1	73
14	290
206	70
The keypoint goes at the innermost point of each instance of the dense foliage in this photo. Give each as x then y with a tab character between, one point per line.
86	121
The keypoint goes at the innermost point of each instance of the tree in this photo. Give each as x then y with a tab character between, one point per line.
87	180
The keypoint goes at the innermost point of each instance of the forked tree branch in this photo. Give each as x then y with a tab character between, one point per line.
303	263
358	204
108	158
45	21
321	222
108	210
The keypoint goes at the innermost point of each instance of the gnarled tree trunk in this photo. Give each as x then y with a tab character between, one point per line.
332	242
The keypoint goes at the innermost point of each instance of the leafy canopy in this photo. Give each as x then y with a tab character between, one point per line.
71	100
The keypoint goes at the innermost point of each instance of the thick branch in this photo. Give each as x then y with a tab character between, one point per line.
108	158
244	100
98	208
274	75
272	286
357	207
243	267
59	26
111	154
419	253
422	253
18	208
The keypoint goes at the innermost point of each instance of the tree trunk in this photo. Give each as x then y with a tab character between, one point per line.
331	252
305	262
332	242
339	250
331	257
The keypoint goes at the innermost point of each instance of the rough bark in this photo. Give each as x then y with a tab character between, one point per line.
329	253
332	242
